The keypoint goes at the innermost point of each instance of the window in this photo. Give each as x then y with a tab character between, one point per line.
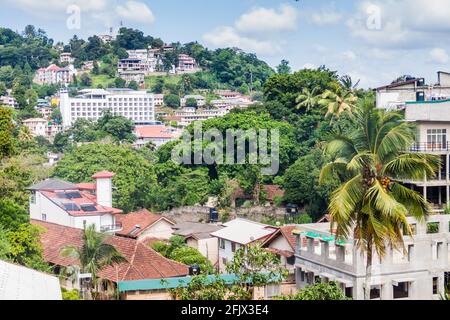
302	276
33	197
222	243
233	247
44	217
435	285
349	292
433	227
436	138
401	291
84	224
375	292
410	252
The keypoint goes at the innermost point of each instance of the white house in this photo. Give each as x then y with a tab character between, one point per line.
37	126
201	100
237	233
66	204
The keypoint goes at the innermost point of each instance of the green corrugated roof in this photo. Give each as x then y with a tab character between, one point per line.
426	102
167	283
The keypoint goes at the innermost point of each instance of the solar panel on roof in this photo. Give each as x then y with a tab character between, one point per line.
62	195
88	208
73	195
71	206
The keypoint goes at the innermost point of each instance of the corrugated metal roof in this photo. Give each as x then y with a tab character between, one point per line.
20	283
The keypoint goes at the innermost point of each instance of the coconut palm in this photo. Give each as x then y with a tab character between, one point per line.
25	134
94	255
338	101
371	205
308	99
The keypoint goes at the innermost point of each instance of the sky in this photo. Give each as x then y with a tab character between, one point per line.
372	41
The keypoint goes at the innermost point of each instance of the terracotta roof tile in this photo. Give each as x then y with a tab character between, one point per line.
143	218
142	261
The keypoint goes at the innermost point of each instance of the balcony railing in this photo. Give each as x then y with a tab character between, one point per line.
427	147
111	228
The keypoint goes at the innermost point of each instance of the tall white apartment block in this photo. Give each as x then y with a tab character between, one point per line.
90	104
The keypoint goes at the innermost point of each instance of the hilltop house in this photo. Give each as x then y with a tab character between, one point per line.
66	204
55	75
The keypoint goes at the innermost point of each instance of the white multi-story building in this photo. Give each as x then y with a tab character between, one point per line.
186	64
37	126
201	100
186	118
90	104
421	273
59	202
8	101
54	75
66	57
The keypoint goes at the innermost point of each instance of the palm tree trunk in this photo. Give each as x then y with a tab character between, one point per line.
368	279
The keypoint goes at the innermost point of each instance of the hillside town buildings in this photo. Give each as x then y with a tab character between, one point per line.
55	75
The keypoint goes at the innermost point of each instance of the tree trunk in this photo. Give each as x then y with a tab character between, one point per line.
368	280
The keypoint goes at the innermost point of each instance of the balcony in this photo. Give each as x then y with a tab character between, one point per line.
431	147
111	228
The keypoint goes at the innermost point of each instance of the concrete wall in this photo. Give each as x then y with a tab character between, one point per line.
161	230
199	213
434	111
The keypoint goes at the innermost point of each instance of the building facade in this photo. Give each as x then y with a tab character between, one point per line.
90	104
55	75
420	273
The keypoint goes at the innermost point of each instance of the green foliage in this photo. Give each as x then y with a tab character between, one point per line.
5	246
70	295
25	247
177	250
191	103
134	180
172	101
6	131
253	267
318	292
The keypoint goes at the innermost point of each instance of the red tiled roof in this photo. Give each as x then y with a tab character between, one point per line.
154	132
87	186
142	261
103	175
286	232
143	218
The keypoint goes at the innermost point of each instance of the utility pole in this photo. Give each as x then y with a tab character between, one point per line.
251	81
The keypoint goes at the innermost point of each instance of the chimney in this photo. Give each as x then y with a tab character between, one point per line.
104	188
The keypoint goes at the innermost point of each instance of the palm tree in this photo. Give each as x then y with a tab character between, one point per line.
94	255
371	204
308	99
338	101
347	82
25	134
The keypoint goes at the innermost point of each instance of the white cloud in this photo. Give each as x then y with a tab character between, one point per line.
326	17
439	56
136	11
258	31
262	20
349	55
403	23
228	37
